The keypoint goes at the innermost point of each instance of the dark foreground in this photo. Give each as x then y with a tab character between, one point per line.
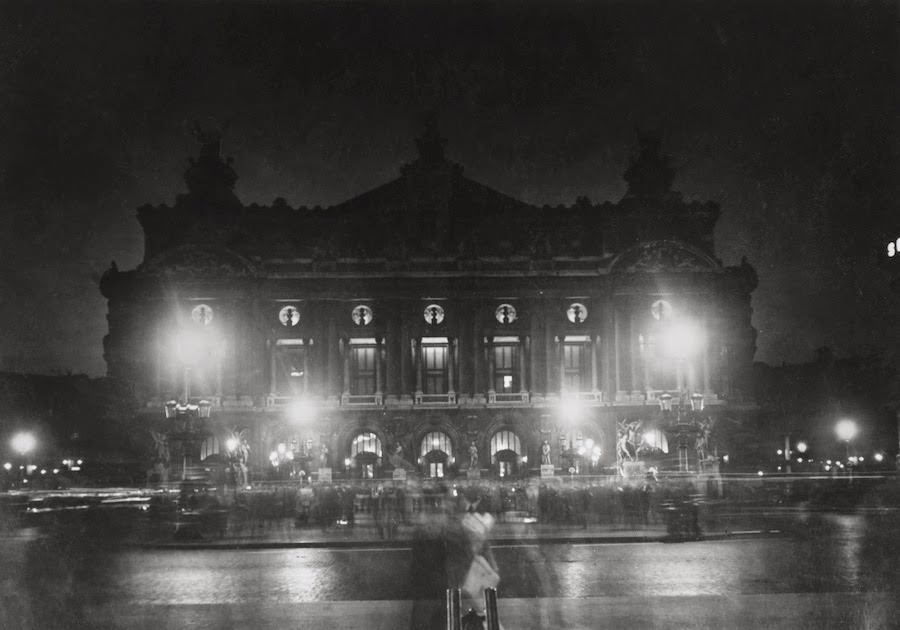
833	570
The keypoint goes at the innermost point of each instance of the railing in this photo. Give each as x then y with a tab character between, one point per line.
362	399
435	399
519	397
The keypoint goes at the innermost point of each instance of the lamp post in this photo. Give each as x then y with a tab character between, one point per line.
23	443
846	430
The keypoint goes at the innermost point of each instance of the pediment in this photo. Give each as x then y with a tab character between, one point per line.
664	256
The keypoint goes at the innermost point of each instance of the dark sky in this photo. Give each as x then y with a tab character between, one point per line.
783	112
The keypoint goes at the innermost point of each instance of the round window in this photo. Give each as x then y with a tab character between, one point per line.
361	315
434	314
577	313
202	314
289	316
506	314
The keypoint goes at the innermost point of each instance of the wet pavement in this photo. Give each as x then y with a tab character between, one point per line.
829	571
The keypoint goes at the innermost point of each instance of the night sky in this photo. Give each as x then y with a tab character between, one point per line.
785	115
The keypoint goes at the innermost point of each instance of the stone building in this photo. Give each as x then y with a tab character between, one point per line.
434	324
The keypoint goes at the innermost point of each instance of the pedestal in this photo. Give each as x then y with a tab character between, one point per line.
473	473
634	470
325	475
399	474
546	470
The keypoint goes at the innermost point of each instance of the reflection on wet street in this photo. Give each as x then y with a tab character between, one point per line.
60	579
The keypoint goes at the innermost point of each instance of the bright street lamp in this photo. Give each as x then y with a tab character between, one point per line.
846	430
23	443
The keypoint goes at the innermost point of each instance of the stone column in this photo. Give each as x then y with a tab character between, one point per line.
608	350
333	382
595	377
417	349
522	384
533	343
345	355
489	346
451	365
307	348
379	388
404	348
273	366
561	364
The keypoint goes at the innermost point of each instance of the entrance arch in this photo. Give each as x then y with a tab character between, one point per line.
506	449
366	453
436	453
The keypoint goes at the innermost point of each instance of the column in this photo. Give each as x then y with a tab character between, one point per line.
417	349
534	385
645	362
489	346
608	350
379	388
345	353
332	386
632	348
405	354
522	385
561	364
392	361
273	366
478	385
466	357
307	348
706	347
451	365
549	351
595	377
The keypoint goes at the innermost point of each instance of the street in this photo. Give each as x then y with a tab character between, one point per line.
840	573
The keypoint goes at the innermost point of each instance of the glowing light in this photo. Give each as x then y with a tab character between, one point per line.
780	452
301	410
56	471
846	430
570	409
589	443
7	466
524	461
802	446
23	443
725	458
43	471
827	468
289	455
231	444
281	448
79	462
761	473
799	460
682	340
878	457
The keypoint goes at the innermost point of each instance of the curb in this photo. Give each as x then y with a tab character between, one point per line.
406	543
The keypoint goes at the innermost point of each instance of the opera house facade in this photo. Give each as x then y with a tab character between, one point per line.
433	326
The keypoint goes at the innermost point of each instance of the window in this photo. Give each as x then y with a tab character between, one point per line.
506	364
436	451
434	358
362	369
576	364
366	442
291	365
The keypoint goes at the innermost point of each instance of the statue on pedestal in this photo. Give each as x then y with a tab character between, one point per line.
473	456
545	454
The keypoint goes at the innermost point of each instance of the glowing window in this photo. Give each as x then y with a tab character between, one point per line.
202	314
434	314
577	313
506	314
289	316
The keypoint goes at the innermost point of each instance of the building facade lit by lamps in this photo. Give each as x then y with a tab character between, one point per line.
434	305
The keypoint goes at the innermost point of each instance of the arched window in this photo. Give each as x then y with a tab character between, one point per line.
505	441
366	442
436	441
209	447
